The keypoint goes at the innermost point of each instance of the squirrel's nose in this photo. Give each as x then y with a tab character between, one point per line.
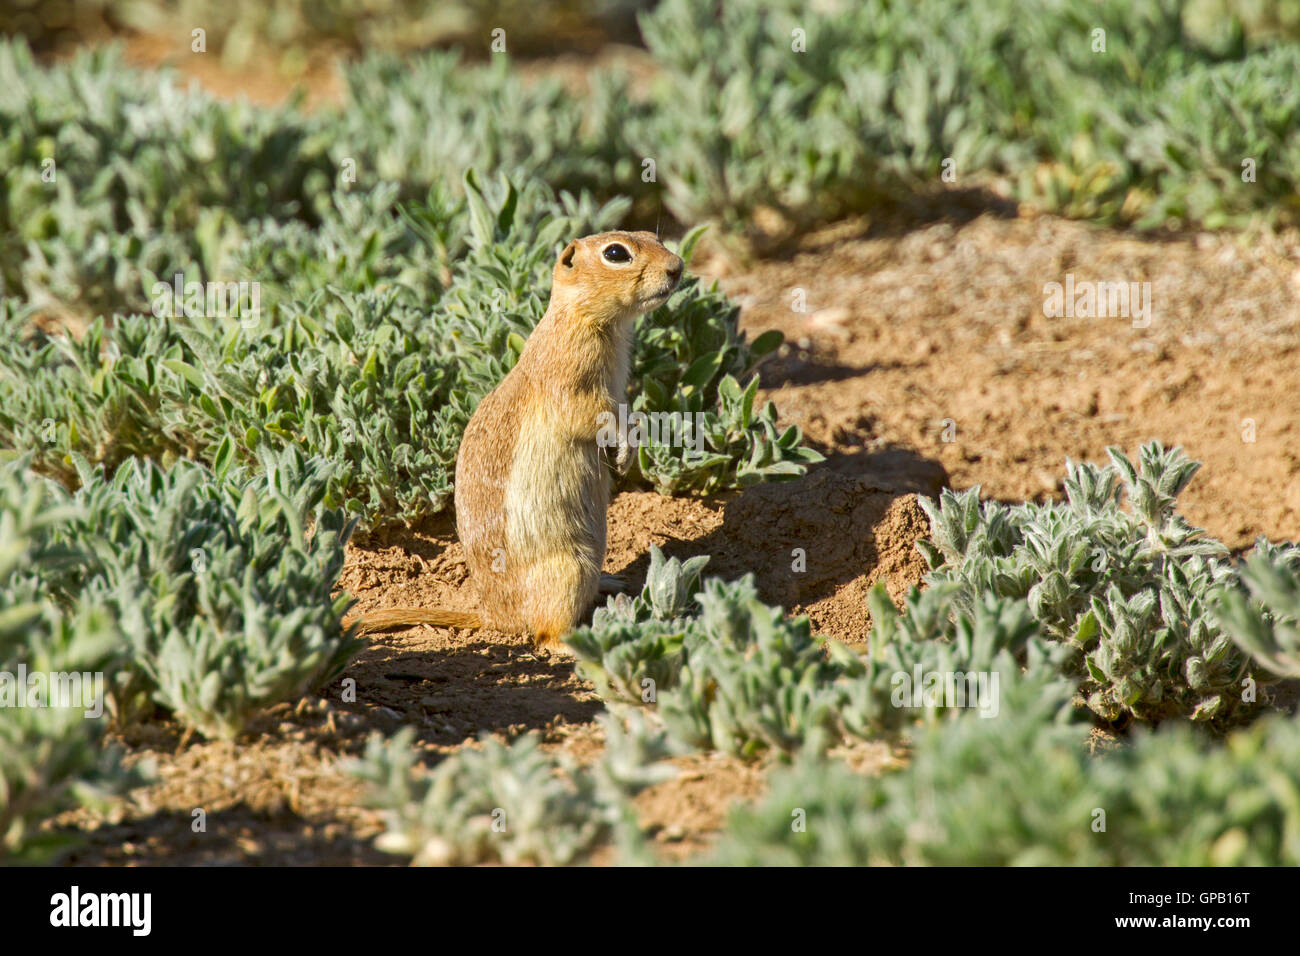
674	269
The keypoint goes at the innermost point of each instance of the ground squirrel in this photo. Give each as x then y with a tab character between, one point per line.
532	485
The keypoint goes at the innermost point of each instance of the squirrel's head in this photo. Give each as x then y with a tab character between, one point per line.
615	276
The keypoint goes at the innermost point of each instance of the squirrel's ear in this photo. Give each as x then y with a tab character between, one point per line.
566	257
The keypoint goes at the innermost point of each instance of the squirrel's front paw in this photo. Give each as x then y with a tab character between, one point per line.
623	460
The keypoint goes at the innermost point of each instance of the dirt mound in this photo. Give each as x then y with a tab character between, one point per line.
816	546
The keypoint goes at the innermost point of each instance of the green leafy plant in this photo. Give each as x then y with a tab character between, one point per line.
1262	614
53	755
348	361
726	671
1172	798
633	646
424	120
107	396
511	804
772	117
1221	143
935	661
702	432
113	180
1131	591
753	681
222	586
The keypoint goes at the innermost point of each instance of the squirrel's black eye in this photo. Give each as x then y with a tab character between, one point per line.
616	253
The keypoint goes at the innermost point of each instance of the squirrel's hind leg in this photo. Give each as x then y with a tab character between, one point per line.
558	590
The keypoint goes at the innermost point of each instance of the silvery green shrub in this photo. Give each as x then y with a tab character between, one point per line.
807	112
879	100
752	681
222	585
511	803
53	756
1022	790
1200	167
1130	590
750	124
149	178
632	649
935	660
366	240
380	331
1262	614
728	672
110	395
689	360
426	119
724	670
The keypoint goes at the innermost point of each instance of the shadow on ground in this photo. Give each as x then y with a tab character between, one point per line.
805	539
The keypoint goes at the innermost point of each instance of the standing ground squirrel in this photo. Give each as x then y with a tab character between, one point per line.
531	484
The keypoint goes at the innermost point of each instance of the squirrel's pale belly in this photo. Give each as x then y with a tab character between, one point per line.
556	495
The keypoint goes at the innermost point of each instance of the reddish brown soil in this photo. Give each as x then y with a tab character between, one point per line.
905	334
259	81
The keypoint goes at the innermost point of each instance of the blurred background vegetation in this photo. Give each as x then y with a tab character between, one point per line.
298	29
294	29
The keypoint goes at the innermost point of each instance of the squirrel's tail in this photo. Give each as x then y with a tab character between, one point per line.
395	618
